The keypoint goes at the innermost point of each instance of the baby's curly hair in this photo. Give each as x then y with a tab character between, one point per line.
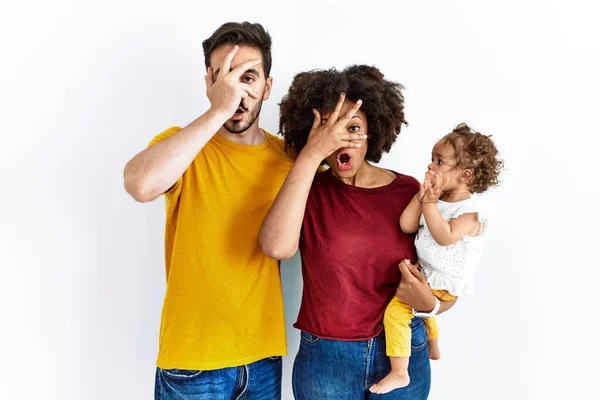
478	153
383	104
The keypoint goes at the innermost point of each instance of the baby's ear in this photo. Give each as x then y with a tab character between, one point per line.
466	176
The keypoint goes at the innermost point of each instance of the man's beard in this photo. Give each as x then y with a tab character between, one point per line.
238	127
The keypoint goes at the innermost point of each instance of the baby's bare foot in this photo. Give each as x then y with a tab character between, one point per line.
392	381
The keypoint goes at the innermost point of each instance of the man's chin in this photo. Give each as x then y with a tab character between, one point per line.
236	127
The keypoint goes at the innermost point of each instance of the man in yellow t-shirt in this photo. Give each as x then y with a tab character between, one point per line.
222	328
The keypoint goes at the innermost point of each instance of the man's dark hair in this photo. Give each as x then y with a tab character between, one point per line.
240	33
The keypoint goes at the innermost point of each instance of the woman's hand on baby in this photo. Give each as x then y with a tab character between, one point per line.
325	138
414	289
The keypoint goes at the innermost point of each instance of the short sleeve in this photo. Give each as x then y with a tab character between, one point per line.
471	207
175	190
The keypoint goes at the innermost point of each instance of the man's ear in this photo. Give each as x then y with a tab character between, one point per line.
268	86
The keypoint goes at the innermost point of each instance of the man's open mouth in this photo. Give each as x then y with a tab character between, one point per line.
238	113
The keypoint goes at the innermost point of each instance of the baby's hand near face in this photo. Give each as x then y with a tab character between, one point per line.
425	186
432	187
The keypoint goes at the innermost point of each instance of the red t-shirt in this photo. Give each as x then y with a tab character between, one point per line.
351	244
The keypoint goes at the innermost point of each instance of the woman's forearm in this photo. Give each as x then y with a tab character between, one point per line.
280	231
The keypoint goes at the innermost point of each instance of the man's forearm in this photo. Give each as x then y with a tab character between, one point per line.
154	170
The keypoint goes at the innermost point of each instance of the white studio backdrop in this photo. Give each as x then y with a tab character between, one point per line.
85	85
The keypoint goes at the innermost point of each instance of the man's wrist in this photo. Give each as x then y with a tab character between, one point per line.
217	114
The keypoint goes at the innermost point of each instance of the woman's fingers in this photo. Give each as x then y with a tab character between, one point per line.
336	111
317	120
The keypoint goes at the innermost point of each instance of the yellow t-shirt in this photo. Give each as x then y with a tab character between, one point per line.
223	305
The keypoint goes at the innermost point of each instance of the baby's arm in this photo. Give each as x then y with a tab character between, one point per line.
447	233
409	220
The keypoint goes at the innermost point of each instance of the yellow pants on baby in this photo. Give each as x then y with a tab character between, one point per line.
396	322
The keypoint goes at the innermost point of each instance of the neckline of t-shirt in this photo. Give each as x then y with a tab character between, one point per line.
247	147
455	202
351	188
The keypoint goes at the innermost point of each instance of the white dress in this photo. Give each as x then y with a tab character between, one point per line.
452	267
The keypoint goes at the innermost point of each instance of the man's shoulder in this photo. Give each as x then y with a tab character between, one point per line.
278	144
164	134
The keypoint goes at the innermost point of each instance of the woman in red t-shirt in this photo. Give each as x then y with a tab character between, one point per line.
344	221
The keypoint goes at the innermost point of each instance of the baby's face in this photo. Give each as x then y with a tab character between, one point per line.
443	161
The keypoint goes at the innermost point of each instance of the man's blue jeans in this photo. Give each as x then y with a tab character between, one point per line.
257	381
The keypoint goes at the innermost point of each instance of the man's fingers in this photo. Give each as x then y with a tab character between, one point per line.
209	78
336	111
226	66
245	100
243	67
251	92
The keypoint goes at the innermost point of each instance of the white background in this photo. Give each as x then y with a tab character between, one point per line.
85	85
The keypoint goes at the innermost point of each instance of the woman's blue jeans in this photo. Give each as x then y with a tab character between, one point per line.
344	370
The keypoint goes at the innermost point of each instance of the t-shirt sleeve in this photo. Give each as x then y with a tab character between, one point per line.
467	207
472	207
175	190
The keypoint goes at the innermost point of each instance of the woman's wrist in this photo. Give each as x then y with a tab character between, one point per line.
429	314
310	156
430	306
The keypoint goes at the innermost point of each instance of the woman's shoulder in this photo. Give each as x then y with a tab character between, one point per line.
407	181
323	178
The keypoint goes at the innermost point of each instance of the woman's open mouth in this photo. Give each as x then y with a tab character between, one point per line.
344	161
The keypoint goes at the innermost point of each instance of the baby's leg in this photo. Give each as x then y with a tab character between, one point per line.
432	338
397	335
434	349
432	328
